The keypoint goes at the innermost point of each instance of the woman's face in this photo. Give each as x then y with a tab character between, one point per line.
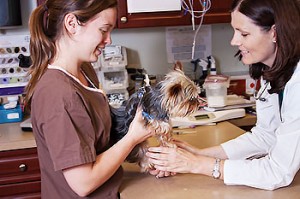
95	34
255	44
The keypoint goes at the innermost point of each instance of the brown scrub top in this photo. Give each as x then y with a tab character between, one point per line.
71	124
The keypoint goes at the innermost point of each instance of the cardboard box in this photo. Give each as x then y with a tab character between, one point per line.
243	85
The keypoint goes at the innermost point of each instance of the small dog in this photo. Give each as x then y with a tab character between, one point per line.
175	96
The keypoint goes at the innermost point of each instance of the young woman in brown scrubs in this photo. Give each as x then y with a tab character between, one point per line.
70	114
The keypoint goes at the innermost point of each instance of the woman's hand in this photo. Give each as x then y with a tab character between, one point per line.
176	160
215	151
160	174
186	146
138	132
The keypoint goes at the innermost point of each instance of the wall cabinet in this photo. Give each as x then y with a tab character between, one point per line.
218	13
20	174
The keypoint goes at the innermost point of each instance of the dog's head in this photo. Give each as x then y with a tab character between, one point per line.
179	94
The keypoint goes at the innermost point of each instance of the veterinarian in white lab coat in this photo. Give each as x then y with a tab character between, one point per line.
268	157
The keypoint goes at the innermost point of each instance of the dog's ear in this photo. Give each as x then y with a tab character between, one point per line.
178	66
175	90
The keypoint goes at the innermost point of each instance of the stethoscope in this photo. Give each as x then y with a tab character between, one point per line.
259	96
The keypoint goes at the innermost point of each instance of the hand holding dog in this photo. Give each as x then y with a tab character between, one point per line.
176	160
186	146
138	132
161	174
181	144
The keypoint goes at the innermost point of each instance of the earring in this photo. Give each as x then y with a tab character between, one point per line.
274	41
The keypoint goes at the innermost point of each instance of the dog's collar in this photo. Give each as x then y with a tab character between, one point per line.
147	115
141	92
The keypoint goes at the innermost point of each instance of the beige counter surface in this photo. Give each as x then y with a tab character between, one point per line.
137	185
248	120
142	186
12	137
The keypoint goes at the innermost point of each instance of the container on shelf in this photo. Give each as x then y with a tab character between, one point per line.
112	74
114	80
113	57
216	90
10	115
117	97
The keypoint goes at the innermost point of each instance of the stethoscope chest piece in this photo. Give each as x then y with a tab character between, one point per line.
258	96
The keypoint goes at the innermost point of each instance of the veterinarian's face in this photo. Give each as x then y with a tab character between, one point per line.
256	45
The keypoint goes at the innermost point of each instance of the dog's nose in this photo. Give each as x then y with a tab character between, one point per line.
202	102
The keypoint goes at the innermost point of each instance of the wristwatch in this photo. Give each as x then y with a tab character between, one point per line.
216	174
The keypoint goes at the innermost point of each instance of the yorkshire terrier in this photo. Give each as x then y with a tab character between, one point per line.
175	96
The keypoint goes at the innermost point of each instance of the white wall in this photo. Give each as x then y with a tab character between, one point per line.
147	49
147	46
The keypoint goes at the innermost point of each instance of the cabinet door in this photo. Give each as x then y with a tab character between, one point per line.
19	173
26	190
218	13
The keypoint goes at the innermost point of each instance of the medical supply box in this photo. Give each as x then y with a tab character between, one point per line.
112	73
11	115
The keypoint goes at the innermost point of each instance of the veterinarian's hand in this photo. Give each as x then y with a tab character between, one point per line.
186	146
175	160
161	174
137	129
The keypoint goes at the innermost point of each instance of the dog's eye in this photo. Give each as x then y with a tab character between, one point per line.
193	98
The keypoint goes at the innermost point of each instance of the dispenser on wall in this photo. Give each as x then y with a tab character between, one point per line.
13	76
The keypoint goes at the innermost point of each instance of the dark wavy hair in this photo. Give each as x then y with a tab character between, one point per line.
285	15
46	27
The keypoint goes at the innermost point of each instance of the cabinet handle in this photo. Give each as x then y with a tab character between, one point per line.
23	167
123	19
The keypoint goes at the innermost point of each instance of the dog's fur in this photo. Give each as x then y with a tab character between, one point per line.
175	96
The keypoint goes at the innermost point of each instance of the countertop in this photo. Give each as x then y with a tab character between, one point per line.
12	137
249	120
137	185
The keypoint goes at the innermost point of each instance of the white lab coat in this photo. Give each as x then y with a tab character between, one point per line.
278	139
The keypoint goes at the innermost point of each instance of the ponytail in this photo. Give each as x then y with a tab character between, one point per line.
41	49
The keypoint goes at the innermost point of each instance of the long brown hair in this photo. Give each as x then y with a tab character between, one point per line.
46	27
285	15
